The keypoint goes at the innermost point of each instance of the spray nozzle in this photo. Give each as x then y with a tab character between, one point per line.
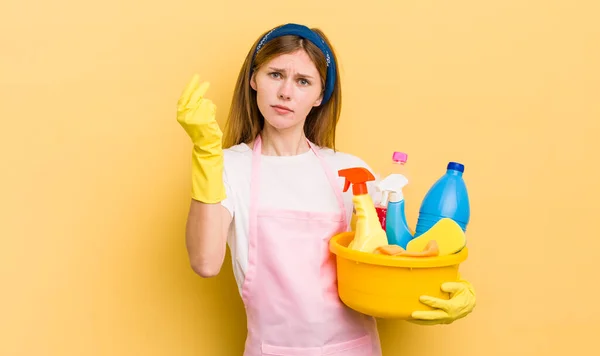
358	176
393	185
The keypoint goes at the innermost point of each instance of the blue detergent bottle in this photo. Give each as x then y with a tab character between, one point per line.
396	227
447	198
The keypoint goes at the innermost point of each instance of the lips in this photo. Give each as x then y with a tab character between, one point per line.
282	109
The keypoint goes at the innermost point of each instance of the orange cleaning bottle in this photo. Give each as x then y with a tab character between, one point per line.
368	235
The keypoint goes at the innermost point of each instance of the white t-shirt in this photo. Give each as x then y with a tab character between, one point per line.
288	182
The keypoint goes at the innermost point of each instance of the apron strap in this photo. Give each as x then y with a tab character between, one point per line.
253	211
333	183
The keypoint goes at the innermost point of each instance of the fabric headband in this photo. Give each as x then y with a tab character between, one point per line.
308	34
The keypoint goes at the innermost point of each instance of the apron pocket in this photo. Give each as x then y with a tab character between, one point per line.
357	347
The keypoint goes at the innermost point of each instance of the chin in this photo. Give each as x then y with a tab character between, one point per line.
281	123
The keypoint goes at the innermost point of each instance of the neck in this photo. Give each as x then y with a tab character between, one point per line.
283	143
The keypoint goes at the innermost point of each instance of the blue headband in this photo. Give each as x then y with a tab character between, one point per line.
308	34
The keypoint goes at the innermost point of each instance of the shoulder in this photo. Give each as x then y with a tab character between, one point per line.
342	160
237	163
237	154
239	149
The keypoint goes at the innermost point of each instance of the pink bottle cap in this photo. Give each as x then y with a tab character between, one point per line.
399	157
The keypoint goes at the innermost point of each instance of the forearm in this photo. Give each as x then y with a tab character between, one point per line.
206	237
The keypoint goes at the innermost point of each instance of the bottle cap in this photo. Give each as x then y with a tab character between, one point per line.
455	166
399	157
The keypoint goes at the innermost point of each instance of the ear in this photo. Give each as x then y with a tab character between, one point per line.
319	100
253	81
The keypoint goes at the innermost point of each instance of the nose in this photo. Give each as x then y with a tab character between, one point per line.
285	90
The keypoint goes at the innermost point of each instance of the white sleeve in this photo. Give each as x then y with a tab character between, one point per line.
228	202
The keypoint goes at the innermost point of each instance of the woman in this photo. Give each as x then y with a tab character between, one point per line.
274	197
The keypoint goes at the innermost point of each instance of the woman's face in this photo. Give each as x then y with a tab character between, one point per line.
287	88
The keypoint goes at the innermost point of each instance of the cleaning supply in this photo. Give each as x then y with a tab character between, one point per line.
447	198
431	249
369	234
398	159
396	226
196	114
448	235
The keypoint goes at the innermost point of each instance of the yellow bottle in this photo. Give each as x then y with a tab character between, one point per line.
368	235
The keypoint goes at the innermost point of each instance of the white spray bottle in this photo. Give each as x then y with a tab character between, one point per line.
396	227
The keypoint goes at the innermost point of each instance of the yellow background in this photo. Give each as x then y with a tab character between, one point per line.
95	170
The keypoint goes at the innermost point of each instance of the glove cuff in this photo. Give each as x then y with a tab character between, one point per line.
207	177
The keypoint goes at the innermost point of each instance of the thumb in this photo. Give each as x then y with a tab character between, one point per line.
453	287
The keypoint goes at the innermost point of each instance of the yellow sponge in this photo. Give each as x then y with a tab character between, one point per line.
448	235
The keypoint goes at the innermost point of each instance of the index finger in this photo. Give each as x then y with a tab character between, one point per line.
452	287
189	89
199	93
433	315
435	302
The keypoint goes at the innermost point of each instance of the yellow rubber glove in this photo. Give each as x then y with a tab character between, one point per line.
196	114
461	302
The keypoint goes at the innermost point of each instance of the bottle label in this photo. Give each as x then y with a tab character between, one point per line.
381	212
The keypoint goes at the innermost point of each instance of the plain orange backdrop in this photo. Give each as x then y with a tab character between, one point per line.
95	180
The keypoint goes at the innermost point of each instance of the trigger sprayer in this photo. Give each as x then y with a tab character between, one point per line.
396	227
392	186
398	159
369	235
358	177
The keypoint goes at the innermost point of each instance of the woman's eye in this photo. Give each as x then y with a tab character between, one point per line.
304	82
275	75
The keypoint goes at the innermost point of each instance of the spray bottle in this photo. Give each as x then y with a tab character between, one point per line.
398	159
368	235
396	227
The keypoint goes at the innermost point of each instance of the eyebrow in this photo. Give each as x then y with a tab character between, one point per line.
283	70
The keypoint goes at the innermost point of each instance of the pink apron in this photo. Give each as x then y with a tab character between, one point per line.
290	287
